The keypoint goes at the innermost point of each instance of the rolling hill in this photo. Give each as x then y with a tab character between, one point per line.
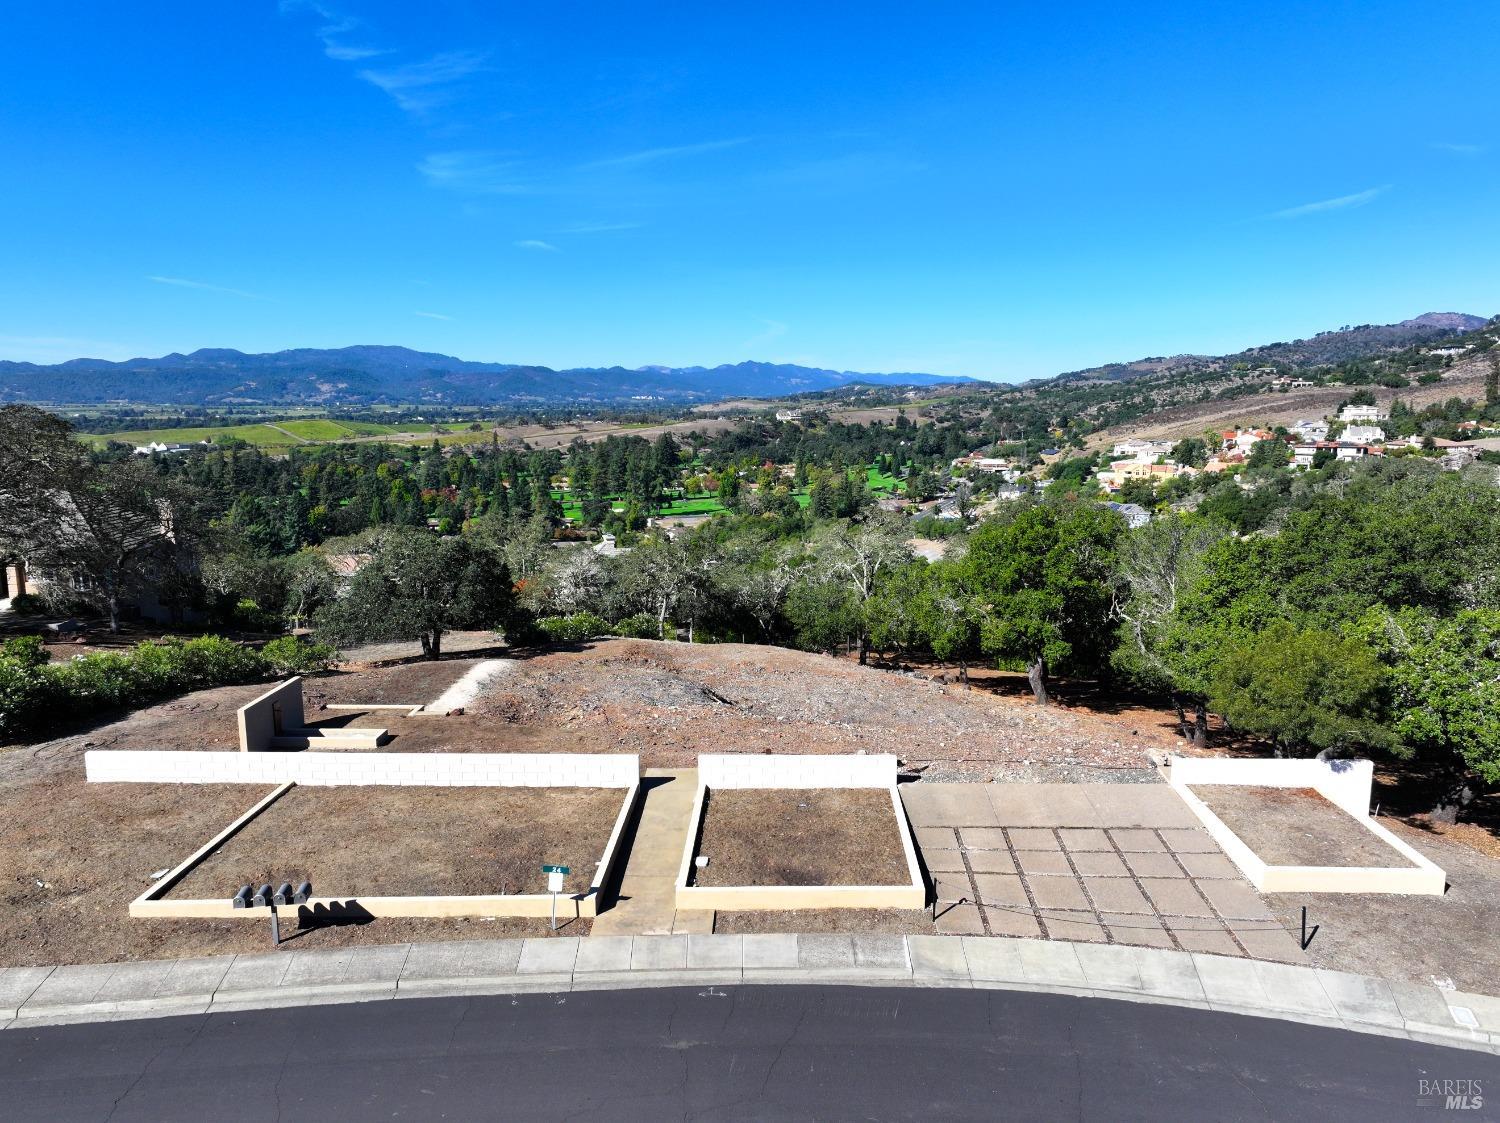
397	375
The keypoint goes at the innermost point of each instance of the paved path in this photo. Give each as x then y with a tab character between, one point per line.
30	997
647	902
726	1053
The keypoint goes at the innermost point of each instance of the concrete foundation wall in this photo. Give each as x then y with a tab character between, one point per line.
258	719
912	894
1346	784
742	770
535	770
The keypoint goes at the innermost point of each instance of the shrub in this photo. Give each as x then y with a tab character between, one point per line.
27	604
292	655
29	651
24	694
640	626
576	628
30	693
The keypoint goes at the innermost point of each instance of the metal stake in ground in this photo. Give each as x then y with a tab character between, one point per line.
555	875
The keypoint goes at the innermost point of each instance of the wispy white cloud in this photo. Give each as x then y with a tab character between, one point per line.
204	286
419	86
1460	149
432	315
475	173
535	244
651	155
1342	202
600	227
331	32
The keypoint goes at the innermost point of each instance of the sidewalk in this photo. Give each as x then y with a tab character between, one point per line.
37	996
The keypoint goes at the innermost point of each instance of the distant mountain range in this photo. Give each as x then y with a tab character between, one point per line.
398	375
1326	347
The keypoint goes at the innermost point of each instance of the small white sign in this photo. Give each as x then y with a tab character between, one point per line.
554	881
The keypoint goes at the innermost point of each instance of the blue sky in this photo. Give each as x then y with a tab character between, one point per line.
1000	190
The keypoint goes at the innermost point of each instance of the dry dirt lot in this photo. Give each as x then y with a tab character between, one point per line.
787	836
396	842
1296	827
671	701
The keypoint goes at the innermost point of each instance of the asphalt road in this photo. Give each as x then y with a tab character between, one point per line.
761	1053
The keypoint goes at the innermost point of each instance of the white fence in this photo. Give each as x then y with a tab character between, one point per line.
500	770
743	770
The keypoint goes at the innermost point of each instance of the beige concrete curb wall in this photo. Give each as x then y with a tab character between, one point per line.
732	770
276	720
1346	784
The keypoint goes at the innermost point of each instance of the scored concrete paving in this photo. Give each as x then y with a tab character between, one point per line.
646	905
1114	864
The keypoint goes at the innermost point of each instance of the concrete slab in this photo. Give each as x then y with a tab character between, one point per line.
876	950
1034	838
1207	865
768	951
255	972
936	838
1016	921
1045	961
706	952
1072	925
1090	864
470	959
548	955
1267	939
944	861
1361	999
1486	1010
1175	897
1234	900
994	960
1294	988
659	953
938	957
991	861
1044	861
1000	889
1153	865
1116	894
136	981
1044	805
1139	805
1420	1004
1136	930
603	953
825	951
1170	974
1106	967
1135	840
1182	840
1231	982
930	805
960	920
195	976
1207	939
1057	892
17	984
73	985
982	838
1085	838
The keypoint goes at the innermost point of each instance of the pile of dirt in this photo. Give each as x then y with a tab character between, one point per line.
797	836
671	701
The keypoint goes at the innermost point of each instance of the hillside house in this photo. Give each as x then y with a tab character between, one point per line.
1133	513
1362	434
1361	415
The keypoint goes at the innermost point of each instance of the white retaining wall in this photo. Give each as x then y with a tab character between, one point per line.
743	770
1346	783
501	770
257	719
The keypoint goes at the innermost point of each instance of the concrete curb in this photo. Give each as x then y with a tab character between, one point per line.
38	996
